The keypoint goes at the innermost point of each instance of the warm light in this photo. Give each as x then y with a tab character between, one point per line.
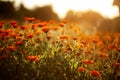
61	7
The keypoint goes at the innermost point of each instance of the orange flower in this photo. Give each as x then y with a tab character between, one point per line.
8	31
18	43
91	62
85	61
107	37
29	36
63	37
13	23
29	19
2	31
61	24
117	64
32	58
12	48
22	27
34	26
88	61
75	38
49	37
94	73
94	40
104	55
41	24
65	21
118	49
55	28
14	35
19	38
89	52
84	42
45	29
81	69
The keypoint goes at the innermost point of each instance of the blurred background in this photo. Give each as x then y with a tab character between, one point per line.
100	15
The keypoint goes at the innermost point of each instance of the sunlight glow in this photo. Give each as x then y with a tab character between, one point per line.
61	7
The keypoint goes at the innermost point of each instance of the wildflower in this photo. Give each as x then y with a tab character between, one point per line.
37	20
75	38
107	37
63	37
55	28
45	29
94	40
32	58
104	55
117	64
65	21
13	35
18	43
94	73
61	24
118	49
84	42
34	26
91	62
42	24
19	38
8	31
86	61
2	31
13	23
29	36
29	19
22	27
3	35
49	37
12	48
81	69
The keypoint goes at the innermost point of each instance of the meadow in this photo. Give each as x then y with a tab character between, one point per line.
50	50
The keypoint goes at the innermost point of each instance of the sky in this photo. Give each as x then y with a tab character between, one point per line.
61	7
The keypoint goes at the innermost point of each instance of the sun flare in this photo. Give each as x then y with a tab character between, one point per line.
61	7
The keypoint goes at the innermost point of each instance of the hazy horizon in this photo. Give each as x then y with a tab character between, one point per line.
61	7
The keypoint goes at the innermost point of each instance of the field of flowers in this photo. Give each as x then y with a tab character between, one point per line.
39	50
